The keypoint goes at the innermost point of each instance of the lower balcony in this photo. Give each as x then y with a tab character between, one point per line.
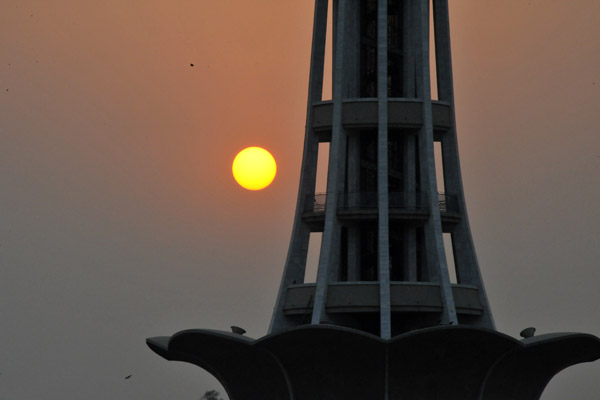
406	297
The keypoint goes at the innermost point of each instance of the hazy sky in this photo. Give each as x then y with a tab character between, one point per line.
119	218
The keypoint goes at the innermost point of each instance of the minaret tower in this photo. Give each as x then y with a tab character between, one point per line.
387	318
383	267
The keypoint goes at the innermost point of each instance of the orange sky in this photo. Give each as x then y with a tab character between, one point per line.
119	218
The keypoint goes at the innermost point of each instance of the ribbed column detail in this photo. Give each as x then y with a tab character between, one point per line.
382	172
330	245
295	264
467	266
435	252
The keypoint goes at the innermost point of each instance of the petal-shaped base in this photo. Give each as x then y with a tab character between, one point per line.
244	371
329	362
530	367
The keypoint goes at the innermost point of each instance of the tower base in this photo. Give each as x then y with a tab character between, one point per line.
318	362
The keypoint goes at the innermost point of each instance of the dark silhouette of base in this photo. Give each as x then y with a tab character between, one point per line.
325	362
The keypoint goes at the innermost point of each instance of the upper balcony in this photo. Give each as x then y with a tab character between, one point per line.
364	206
363	113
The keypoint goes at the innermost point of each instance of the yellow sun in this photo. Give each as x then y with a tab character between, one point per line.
254	168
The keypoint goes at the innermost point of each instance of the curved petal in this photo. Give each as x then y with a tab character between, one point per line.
245	372
447	362
523	373
329	362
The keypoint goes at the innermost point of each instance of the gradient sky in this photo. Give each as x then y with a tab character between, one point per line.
119	218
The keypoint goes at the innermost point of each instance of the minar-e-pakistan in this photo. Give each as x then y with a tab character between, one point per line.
392	314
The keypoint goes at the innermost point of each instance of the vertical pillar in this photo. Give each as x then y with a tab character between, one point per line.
330	245
352	73
467	266
409	156
382	172
295	264
435	252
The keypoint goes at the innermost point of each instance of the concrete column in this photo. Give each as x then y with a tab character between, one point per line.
330	245
295	264
382	173
467	266
435	252
334	34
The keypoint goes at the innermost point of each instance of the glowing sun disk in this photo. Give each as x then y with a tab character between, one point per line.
254	168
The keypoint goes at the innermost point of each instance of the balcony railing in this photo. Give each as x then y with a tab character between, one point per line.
448	203
316	203
368	201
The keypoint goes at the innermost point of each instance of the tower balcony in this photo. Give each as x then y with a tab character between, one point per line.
363	206
363	113
406	297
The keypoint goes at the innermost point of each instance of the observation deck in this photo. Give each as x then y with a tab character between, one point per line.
403	206
363	297
362	113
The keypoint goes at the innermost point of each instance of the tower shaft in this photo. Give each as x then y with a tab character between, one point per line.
382	266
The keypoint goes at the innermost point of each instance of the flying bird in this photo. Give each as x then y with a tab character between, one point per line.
527	332
128	376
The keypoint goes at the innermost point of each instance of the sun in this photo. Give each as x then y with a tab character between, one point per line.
254	168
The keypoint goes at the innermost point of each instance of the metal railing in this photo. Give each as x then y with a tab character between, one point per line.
408	200
315	203
448	203
368	201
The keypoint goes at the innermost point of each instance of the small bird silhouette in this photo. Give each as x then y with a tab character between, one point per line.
527	332
128	376
191	65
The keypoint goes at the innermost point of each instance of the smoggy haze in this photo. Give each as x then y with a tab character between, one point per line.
119	218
